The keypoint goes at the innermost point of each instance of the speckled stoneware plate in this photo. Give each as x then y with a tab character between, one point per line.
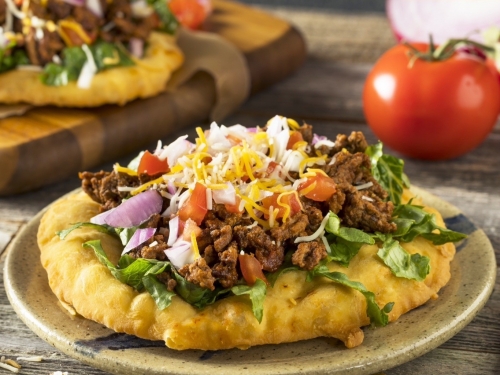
417	332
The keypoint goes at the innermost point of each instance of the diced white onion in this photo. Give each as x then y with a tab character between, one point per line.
88	71
180	254
173	226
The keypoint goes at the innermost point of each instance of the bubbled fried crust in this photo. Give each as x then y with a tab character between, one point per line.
293	309
113	86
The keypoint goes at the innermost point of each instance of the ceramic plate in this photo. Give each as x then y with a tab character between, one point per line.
415	333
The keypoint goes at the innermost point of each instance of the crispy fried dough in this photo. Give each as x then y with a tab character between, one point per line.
114	86
294	309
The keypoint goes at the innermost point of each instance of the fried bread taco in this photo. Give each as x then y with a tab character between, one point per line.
247	236
84	53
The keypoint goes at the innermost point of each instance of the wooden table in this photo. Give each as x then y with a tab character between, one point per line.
326	92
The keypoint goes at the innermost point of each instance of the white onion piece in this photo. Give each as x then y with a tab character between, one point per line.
225	196
175	150
95	7
180	254
217	139
140	9
140	236
136	47
316	234
173	226
414	20
88	71
133	211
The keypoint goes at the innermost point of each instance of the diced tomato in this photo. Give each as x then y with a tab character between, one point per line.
234	208
195	207
324	187
190	13
271	167
152	165
233	139
290	200
251	269
295	137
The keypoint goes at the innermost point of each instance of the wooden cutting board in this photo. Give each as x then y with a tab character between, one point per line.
49	144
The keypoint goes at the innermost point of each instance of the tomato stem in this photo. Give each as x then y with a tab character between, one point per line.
444	51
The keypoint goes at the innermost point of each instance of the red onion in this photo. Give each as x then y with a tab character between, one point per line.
414	20
180	254
136	47
140	236
132	212
317	138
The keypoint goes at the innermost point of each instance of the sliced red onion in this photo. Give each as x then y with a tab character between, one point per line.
317	138
95	7
414	20
173	226
171	187
180	254
140	236
225	196
133	211
101	218
136	47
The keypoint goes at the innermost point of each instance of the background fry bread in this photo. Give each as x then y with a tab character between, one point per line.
293	310
114	86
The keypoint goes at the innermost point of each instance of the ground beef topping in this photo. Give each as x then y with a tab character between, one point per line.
241	196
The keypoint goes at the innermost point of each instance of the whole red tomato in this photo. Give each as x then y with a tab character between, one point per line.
431	109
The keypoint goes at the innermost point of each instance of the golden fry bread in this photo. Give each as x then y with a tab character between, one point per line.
114	86
293	310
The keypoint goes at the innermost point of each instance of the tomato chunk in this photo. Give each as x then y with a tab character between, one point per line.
251	269
234	208
195	207
152	165
295	137
318	188
190	13
290	200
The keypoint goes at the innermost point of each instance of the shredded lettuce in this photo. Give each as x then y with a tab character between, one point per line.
169	23
9	61
378	317
413	221
400	262
344	242
106	55
141	275
101	228
388	171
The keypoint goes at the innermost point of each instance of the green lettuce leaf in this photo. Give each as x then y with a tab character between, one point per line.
257	294
106	55
378	317
388	171
400	262
101	228
161	295
138	273
169	23
413	221
344	242
9	61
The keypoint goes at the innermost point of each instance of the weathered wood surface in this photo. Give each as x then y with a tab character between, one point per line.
326	93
